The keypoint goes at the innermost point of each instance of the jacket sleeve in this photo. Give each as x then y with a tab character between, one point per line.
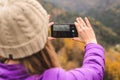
92	69
93	64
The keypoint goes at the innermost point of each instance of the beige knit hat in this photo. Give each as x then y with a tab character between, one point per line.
23	28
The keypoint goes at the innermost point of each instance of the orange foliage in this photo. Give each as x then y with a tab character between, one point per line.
112	64
69	43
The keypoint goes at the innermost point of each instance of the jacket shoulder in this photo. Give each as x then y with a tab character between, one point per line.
50	74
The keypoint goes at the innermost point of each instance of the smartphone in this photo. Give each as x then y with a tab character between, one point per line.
64	31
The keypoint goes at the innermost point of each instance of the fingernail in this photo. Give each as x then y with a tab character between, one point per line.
80	17
75	23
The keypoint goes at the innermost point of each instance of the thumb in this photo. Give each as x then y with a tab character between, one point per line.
50	24
78	39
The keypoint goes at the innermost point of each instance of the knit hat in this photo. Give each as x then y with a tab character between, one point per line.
23	28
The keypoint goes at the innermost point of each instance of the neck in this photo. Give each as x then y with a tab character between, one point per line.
10	62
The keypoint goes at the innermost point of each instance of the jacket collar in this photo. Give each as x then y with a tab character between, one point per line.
13	72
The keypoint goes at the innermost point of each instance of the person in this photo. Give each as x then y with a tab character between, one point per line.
25	51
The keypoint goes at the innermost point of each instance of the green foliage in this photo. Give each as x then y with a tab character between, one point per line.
109	17
104	35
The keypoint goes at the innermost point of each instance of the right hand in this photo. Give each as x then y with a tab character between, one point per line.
85	31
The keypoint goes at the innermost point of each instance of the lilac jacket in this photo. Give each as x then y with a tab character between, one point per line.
92	69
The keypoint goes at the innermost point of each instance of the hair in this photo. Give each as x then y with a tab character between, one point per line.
39	62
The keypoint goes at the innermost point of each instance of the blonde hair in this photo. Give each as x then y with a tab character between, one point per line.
42	60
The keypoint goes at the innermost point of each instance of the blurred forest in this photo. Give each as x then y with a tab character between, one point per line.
105	20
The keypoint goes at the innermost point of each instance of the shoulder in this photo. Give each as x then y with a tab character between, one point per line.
54	74
50	74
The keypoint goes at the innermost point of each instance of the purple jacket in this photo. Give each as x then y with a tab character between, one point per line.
92	69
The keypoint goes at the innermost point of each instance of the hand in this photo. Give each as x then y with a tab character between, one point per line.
85	31
49	25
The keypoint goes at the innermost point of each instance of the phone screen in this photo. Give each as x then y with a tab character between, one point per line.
61	28
63	31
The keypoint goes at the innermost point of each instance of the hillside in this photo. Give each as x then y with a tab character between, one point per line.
83	5
99	9
109	17
61	16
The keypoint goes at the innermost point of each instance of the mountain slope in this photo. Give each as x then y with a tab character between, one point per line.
106	11
105	35
109	17
83	5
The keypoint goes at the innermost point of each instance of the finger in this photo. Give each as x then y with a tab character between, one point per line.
49	16
77	39
50	24
51	38
83	22
77	26
88	22
80	23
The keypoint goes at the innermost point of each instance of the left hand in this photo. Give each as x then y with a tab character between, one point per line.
49	25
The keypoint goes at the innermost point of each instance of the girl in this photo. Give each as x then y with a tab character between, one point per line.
26	54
